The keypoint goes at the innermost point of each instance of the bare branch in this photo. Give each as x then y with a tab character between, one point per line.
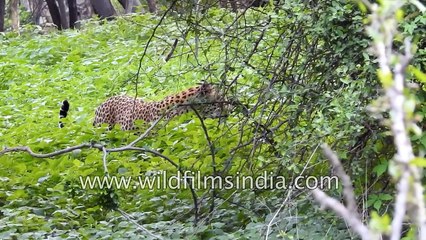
52	154
170	54
353	221
212	152
348	191
383	28
349	213
105	161
290	191
130	219
268	229
146	132
149	42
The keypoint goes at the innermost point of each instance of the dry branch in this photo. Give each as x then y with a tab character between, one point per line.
350	217
349	213
130	219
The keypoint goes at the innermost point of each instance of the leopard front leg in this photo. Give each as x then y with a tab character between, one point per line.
126	121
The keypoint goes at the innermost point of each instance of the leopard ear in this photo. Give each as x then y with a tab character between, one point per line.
203	84
206	88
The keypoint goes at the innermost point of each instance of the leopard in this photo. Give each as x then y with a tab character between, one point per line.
204	99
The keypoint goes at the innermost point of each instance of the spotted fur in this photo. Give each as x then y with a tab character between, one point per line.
125	110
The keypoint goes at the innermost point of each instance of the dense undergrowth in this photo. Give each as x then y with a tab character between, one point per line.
302	72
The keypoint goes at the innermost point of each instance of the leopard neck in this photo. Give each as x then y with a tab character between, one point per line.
165	106
174	100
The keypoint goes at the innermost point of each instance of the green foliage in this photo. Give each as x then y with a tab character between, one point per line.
380	224
376	200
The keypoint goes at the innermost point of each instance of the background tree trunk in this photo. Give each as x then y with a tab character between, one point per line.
14	14
152	6
84	9
127	5
131	7
103	8
135	5
54	12
63	14
72	7
2	11
234	5
36	9
26	4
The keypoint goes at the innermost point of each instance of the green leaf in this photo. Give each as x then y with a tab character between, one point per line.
380	223
417	73
380	169
386	79
419	162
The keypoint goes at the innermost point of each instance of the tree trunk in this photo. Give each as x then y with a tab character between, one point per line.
135	5
152	6
103	8
26	5
234	5
36	9
54	12
72	7
2	11
63	14
14	14
127	5
84	9
130	5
